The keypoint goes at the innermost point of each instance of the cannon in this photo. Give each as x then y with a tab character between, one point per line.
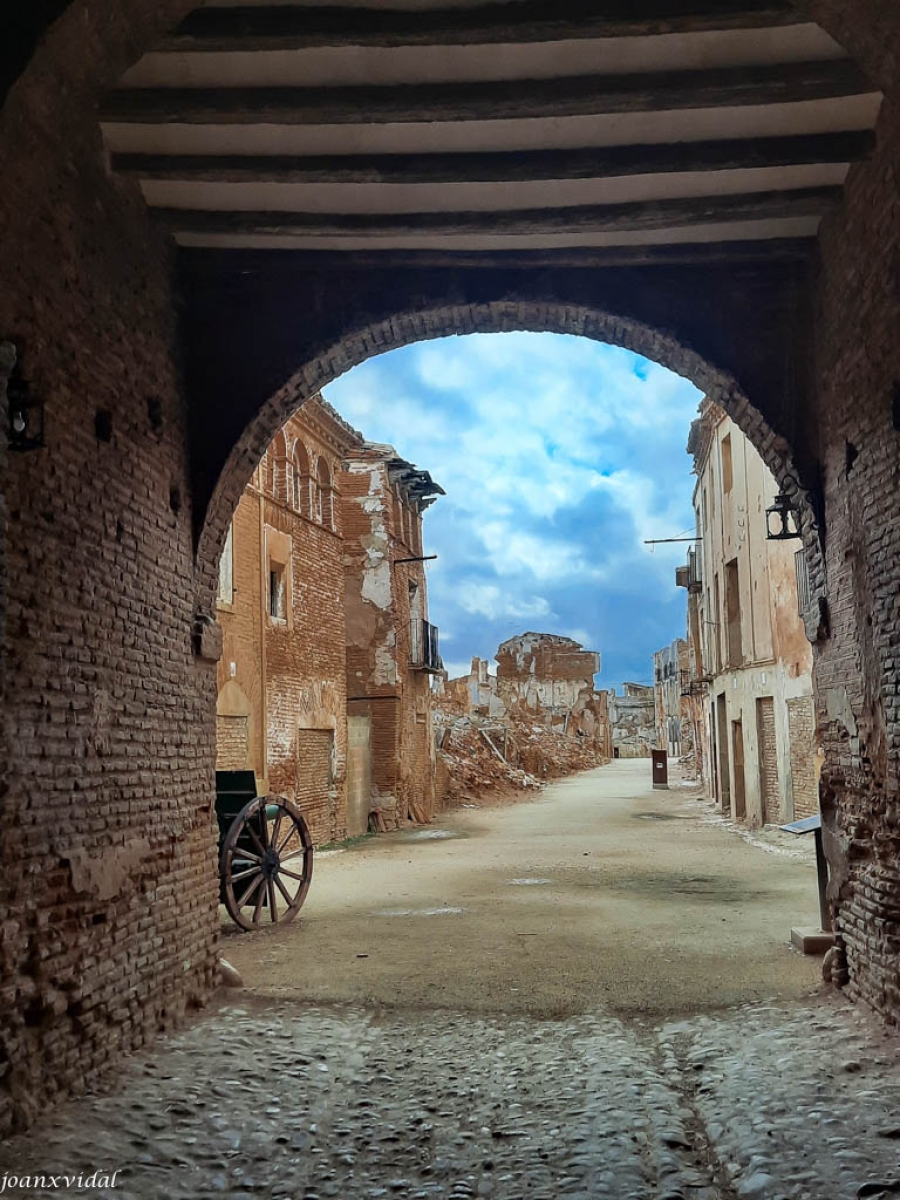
265	853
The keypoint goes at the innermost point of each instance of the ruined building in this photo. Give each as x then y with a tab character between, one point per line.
674	726
552	678
282	704
538	718
752	662
632	720
392	647
319	608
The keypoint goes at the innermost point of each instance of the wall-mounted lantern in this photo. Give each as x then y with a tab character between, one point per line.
782	518
26	415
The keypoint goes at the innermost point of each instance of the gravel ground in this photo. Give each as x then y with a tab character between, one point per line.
275	1100
587	996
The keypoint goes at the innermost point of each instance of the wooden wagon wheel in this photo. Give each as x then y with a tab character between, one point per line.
266	863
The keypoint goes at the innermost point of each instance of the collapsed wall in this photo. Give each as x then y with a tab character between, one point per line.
539	718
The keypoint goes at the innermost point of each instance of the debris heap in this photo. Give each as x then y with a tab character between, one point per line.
538	719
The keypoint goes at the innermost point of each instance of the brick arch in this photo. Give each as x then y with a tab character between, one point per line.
491	317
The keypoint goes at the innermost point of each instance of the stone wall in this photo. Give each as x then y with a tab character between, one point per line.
632	721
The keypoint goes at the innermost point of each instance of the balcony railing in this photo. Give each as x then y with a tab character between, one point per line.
695	574
423	646
694	685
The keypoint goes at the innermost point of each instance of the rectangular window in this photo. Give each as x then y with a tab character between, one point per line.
733	614
226	569
277	598
727	465
717	622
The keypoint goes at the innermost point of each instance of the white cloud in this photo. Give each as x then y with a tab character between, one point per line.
489	600
559	457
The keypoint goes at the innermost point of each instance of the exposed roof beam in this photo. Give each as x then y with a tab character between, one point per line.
286	27
225	262
644	215
607	162
663	91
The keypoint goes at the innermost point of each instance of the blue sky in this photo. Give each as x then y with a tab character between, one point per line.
559	455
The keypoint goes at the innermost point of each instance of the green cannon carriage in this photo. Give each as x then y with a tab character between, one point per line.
265	853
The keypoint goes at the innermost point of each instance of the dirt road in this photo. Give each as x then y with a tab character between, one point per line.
438	1066
600	892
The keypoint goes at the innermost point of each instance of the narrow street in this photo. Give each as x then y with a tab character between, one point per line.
589	994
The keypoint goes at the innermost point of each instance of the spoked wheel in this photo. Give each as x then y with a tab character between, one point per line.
266	863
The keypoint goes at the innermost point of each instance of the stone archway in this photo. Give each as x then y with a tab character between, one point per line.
100	561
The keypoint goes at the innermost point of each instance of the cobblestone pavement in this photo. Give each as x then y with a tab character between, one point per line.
263	1099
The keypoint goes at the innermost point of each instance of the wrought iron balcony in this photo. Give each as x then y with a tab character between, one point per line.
695	574
423	646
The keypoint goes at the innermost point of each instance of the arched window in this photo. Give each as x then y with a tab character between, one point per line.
326	496
301	480
276	477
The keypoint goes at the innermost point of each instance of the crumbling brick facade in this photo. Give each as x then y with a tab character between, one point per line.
538	718
671	671
282	702
391	646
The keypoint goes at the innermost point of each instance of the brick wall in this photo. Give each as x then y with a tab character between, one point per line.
108	867
802	733
770	792
858	369
290	673
232	743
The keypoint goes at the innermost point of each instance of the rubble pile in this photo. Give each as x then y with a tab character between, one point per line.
480	755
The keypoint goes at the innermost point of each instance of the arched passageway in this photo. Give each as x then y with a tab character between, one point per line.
401	328
147	387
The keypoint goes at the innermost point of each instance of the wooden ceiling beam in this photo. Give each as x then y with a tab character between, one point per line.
580	95
594	218
285	27
610	162
587	257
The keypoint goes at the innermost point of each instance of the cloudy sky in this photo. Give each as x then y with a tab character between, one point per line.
558	456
